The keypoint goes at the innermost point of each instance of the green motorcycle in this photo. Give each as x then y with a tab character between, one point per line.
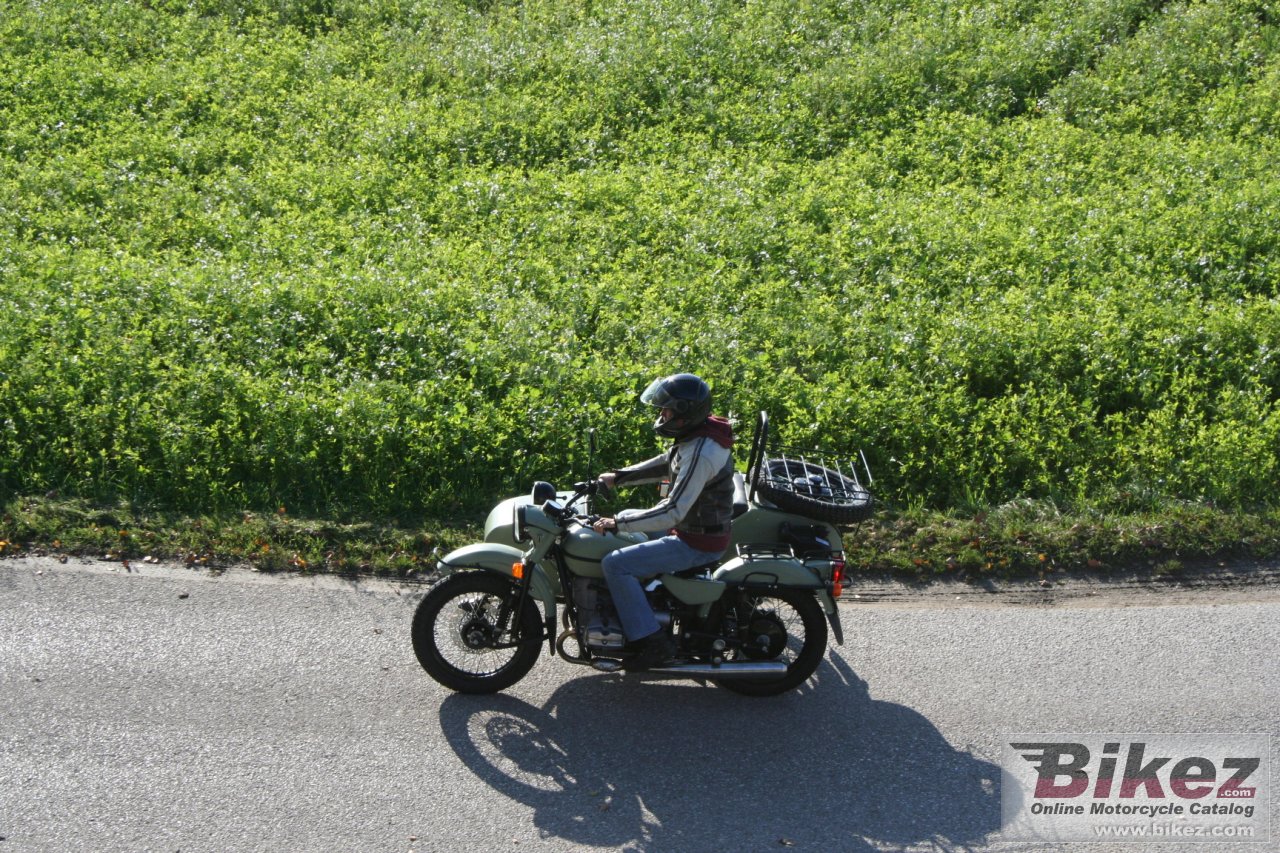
755	622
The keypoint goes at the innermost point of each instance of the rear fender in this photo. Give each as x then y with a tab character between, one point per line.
498	558
773	573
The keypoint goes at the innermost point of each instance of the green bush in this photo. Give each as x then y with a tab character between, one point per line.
398	256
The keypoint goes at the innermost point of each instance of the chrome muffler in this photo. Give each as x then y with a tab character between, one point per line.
743	669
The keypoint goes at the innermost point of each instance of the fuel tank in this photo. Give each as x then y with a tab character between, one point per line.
583	549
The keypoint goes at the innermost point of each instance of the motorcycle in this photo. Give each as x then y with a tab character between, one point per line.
755	621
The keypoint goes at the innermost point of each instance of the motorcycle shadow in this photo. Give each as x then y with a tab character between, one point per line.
638	765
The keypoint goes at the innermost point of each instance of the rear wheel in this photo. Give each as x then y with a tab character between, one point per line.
462	633
781	625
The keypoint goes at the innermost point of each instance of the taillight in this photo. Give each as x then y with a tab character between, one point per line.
837	577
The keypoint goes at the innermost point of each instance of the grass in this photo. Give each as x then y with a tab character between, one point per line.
1019	540
269	542
1034	538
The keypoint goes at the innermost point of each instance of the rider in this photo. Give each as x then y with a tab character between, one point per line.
695	513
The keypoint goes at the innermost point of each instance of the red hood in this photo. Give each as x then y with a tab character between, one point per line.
715	428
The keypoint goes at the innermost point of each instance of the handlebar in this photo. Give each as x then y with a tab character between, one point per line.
585	489
567	511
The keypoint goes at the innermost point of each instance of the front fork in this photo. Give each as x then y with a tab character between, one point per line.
523	572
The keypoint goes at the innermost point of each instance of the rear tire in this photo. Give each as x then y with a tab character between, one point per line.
455	630
782	624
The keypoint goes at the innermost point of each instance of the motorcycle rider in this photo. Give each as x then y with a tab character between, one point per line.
696	512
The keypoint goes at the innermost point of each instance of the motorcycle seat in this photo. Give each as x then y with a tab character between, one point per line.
697	571
694	590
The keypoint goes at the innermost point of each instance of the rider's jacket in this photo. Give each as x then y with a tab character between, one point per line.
699	504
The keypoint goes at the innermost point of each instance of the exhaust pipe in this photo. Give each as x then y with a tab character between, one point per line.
745	669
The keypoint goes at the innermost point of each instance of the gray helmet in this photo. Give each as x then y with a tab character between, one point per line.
688	398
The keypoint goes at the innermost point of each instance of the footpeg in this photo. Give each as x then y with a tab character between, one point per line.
606	665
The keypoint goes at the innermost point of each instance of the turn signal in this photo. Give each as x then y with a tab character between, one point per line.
837	577
517	570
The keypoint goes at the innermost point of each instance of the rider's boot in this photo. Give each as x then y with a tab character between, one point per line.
656	649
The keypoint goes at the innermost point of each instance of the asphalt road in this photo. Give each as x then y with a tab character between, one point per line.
168	709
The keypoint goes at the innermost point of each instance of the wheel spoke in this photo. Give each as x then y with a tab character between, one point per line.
459	640
465	631
784	626
778	622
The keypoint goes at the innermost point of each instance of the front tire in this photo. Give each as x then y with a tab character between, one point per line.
457	638
783	624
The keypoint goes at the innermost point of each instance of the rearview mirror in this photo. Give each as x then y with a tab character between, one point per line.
542	492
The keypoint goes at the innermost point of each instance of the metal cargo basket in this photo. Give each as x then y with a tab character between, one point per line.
818	485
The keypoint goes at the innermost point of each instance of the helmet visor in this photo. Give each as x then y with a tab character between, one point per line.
656	395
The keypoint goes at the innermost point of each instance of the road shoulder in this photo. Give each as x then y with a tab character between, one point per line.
1220	584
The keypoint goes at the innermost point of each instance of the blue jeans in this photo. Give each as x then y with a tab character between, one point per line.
623	569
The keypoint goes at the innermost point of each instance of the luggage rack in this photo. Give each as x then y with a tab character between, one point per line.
771	551
765	551
813	483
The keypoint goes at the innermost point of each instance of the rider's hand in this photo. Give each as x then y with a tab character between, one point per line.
607	480
603	524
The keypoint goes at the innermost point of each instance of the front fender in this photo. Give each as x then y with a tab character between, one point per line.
498	558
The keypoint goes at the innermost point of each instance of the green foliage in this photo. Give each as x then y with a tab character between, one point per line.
395	256
268	541
1037	538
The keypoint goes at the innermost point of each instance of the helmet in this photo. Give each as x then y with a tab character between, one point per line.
688	398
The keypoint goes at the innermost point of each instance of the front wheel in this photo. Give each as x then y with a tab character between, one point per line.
781	625
462	633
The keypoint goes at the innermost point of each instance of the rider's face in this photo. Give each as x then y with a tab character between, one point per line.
666	415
